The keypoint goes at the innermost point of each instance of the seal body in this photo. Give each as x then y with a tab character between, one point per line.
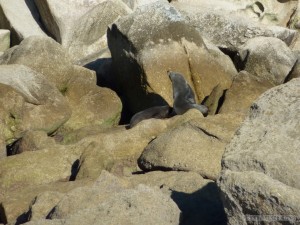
158	112
183	95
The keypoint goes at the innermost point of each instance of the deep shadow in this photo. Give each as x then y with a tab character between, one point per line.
74	170
201	207
36	15
23	218
13	148
3	218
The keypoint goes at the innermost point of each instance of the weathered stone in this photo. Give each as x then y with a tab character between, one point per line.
3	153
260	165
197	198
111	146
80	26
114	203
20	17
34	140
197	145
295	73
226	29
39	167
76	83
145	57
17	201
4	40
268	58
37	104
244	90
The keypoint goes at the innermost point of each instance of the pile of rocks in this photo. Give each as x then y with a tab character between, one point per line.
73	73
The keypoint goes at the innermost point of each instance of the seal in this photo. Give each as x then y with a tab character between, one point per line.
158	112
183	95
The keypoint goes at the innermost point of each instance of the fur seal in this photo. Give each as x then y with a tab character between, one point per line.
158	112
183	95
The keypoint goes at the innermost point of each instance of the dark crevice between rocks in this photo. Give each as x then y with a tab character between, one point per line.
3	218
13	148
221	101
23	218
204	205
291	73
235	57
74	170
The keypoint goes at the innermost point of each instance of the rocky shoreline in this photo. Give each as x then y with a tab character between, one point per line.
73	74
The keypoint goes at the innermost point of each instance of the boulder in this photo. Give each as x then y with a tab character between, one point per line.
218	22
21	18
197	145
268	58
76	83
4	40
295	73
110	149
145	57
21	202
260	165
197	198
38	167
29	102
3	152
245	89
110	201
80	26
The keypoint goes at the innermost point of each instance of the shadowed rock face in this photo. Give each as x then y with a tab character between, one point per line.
143	58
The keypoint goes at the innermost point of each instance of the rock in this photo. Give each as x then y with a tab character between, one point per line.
3	153
20	18
29	102
82	28
141	205
4	40
33	140
295	73
260	165
197	145
108	148
39	167
76	83
244	90
197	198
134	4
41	206
268	58
145	57
22	202
218	23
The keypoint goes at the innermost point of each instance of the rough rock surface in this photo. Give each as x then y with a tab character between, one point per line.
4	40
76	83
193	146
20	17
262	160
225	28
268	58
80	26
145	57
110	201
245	89
37	104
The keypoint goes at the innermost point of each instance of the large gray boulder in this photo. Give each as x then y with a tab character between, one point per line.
143	58
268	58
223	24
20	17
90	104
29	102
80	26
260	165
